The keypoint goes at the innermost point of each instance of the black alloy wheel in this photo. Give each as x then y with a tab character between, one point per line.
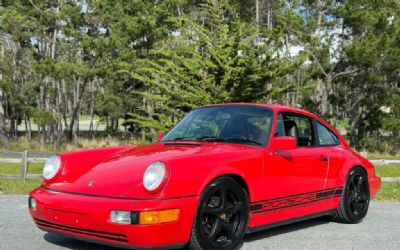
355	198
221	218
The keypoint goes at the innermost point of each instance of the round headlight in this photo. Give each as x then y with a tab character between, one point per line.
51	167
154	176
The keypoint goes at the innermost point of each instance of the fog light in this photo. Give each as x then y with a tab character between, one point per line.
121	217
157	217
32	203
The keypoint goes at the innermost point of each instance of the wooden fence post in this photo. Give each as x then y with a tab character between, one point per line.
24	165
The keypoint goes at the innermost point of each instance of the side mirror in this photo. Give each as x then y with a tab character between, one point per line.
160	136
283	143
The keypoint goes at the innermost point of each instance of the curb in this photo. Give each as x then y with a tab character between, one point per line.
390	179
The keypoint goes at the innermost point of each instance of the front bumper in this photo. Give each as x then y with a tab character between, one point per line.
374	185
87	218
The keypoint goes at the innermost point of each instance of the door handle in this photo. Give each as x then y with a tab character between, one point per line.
323	158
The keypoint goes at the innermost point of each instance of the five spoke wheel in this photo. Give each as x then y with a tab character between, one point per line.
355	198
358	197
222	216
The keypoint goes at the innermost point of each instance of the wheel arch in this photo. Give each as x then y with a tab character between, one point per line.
239	179
348	170
235	176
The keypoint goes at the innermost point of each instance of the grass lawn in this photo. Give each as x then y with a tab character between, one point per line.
388	170
15	168
389	192
382	156
18	186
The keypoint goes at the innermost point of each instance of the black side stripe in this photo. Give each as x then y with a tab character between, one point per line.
295	200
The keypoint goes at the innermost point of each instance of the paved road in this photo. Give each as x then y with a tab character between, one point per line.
380	230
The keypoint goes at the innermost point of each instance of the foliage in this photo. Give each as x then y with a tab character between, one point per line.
18	186
147	63
389	192
388	170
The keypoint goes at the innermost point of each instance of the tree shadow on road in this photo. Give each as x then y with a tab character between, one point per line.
71	243
286	229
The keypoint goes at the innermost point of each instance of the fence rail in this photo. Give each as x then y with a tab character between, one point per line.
25	160
385	161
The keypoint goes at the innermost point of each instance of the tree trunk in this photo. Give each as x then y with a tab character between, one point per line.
325	90
257	16
269	14
3	126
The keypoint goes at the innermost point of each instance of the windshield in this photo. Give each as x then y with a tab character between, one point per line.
230	123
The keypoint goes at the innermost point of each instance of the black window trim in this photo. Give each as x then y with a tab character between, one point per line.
313	127
330	131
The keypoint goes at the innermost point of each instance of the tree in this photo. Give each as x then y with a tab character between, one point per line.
220	59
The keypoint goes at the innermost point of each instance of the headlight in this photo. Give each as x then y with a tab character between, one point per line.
32	203
154	176
121	217
51	167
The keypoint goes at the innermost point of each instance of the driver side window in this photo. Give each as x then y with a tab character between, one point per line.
296	126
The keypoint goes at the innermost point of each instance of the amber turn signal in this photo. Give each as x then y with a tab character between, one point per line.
158	217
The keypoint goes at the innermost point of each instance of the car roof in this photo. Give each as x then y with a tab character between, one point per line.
274	107
277	108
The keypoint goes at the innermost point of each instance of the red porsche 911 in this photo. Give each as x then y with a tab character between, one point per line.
223	171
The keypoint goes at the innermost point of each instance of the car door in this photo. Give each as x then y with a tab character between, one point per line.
329	144
294	177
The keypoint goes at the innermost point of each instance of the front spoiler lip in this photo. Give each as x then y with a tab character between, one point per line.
98	209
90	240
116	197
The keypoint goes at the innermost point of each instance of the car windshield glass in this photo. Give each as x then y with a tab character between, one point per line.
230	123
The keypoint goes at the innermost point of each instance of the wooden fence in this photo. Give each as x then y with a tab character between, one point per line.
24	161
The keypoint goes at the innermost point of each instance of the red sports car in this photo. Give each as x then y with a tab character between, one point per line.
223	171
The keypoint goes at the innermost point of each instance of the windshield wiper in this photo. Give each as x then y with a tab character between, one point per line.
219	139
244	140
203	138
181	138
210	139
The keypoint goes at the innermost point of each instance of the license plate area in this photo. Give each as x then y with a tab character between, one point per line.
68	218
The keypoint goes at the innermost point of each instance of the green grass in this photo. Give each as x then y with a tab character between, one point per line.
18	186
15	168
388	170
389	192
382	156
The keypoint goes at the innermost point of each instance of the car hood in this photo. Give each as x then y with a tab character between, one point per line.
120	173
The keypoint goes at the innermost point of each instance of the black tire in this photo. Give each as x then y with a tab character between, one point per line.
354	202
221	217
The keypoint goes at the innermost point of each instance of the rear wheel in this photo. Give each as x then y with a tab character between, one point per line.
355	198
221	217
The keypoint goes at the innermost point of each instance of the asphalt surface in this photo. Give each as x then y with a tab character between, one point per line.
379	230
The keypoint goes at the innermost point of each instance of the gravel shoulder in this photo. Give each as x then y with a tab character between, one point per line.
379	230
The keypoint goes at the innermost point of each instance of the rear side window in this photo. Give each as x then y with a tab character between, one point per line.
326	137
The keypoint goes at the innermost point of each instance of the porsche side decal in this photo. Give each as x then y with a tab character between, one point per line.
294	200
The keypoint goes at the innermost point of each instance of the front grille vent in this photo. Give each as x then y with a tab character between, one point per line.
49	226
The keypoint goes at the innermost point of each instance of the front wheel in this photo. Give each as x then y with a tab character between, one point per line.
355	198
221	218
